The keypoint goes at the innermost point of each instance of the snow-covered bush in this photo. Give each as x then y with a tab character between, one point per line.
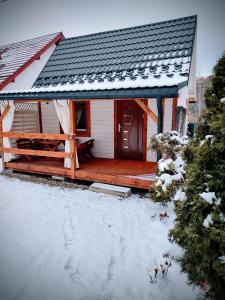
170	170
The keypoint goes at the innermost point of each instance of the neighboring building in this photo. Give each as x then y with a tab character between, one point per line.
22	62
20	65
126	84
197	105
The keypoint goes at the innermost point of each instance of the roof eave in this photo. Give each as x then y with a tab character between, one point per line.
153	92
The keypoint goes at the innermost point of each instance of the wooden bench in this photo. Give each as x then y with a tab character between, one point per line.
84	150
27	144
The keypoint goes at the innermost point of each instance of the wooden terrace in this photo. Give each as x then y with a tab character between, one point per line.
129	173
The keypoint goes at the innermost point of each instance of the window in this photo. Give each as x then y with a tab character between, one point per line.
83	124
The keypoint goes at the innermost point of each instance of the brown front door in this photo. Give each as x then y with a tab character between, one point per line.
129	130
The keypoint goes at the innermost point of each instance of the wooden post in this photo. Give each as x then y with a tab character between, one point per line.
73	147
160	119
1	144
2	116
174	114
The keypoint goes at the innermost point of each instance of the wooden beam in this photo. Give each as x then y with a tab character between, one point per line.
3	115
73	149
147	110
35	100
35	152
39	169
44	136
114	179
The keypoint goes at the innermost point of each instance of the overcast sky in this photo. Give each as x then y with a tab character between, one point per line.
23	19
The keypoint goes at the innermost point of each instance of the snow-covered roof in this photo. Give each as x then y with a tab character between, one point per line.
106	85
15	57
147	56
152	55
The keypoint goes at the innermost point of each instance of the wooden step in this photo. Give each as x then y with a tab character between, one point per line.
110	189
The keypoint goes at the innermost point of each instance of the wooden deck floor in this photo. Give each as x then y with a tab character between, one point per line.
129	173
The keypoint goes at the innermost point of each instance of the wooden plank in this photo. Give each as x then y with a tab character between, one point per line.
35	152
114	179
147	110
44	136
3	115
39	169
73	150
32	101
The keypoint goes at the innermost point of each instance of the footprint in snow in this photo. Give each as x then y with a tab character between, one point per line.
68	232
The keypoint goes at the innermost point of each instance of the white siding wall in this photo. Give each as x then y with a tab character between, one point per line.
50	121
167	119
102	128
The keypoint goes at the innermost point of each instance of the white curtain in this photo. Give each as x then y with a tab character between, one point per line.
63	113
7	126
78	115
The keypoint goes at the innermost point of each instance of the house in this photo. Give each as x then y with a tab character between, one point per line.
118	88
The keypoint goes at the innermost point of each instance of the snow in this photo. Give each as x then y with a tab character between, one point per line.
182	140
222	259
207	137
208	221
177	166
208	196
75	244
180	195
164	164
107	85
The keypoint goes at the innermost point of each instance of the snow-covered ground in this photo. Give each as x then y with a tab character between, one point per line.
66	244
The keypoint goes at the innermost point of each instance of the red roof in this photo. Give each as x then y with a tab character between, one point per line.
16	57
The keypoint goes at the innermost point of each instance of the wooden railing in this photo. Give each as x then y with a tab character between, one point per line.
44	136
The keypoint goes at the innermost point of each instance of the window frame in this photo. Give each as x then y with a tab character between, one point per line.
87	132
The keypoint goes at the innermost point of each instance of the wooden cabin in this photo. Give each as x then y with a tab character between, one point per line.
100	98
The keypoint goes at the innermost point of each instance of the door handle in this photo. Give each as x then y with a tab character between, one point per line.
119	127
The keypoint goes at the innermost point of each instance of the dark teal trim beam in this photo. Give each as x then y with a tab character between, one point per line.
160	115
168	92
